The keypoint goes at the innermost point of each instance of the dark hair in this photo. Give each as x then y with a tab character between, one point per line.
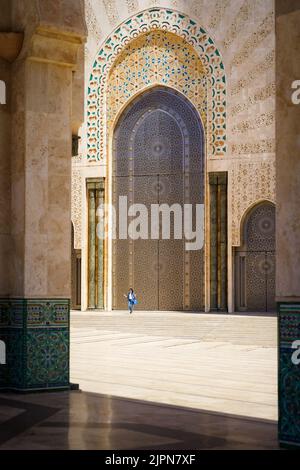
131	289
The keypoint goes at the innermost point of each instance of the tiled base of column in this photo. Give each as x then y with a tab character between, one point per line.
289	374
36	335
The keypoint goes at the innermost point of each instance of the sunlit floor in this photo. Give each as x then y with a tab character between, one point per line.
216	362
156	380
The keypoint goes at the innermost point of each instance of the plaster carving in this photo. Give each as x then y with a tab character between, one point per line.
259	96
260	121
76	207
132	5
219	11
267	63
263	30
242	16
111	11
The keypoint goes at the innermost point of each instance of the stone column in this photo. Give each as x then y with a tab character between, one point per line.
40	262
95	189
223	241
288	216
218	241
100	248
213	186
5	123
92	245
5	195
10	46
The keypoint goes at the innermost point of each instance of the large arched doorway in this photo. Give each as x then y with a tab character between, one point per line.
255	261
158	158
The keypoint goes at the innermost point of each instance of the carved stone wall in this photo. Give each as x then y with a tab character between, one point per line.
76	206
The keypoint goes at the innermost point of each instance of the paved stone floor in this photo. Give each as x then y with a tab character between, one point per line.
174	367
222	363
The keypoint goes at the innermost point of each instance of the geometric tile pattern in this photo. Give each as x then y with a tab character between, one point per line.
289	374
36	333
142	23
156	58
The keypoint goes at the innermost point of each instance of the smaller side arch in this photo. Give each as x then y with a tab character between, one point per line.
255	260
246	213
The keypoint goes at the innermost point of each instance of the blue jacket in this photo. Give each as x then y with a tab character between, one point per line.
133	298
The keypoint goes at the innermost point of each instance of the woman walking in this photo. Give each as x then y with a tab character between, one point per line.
131	299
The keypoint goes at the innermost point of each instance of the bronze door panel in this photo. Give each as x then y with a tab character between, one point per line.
255	262
158	158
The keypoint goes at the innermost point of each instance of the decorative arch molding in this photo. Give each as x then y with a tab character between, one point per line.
144	22
158	58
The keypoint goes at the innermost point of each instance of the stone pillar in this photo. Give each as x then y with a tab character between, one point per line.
36	315
5	124
10	46
213	187
288	217
100	249
95	189
218	241
76	276
92	245
222	280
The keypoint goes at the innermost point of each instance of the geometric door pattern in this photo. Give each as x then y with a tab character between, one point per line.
158	159
255	262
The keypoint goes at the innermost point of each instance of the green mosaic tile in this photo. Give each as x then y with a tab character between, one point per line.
36	333
289	374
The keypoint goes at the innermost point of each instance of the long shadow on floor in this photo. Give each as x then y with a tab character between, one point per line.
88	421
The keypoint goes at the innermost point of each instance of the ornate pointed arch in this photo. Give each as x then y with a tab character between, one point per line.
248	211
192	33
